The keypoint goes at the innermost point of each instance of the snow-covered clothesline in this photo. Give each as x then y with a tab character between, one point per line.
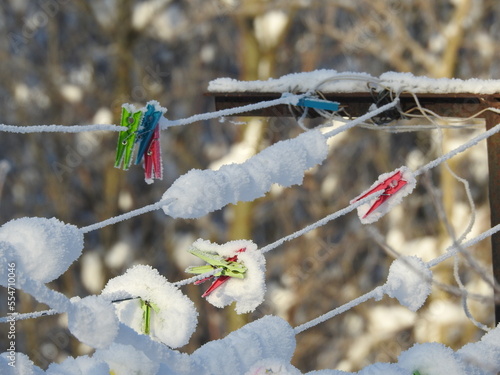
406	290
164	123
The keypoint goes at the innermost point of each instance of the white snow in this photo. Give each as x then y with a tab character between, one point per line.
384	369
409	281
93	321
248	293
82	365
431	359
483	356
23	365
199	192
126	360
326	80
394	199
273	366
241	350
175	319
27	240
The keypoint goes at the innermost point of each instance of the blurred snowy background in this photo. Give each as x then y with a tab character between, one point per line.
76	62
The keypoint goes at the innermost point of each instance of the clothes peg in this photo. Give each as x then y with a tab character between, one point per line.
230	268
389	186
153	168
126	139
148	125
146	307
318	104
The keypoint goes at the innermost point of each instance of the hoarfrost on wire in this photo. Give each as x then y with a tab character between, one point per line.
199	192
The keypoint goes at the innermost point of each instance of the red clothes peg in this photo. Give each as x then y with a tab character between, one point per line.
219	280
390	186
153	167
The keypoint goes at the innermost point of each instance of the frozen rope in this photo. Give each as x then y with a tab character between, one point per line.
375	293
164	123
284	99
61	128
454	249
32	315
457	150
465	294
127	215
319	223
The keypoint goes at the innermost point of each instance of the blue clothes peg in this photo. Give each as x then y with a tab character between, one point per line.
150	121
127	138
318	104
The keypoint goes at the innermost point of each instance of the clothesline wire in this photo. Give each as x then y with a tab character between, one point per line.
378	291
127	215
164	122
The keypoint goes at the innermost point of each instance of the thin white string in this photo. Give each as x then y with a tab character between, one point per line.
284	99
164	123
61	128
454	249
127	215
375	293
320	222
32	315
457	150
464	297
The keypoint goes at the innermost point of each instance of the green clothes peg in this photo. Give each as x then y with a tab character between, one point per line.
146	307
230	267
126	140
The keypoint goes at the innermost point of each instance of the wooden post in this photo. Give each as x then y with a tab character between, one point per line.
451	104
493	119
